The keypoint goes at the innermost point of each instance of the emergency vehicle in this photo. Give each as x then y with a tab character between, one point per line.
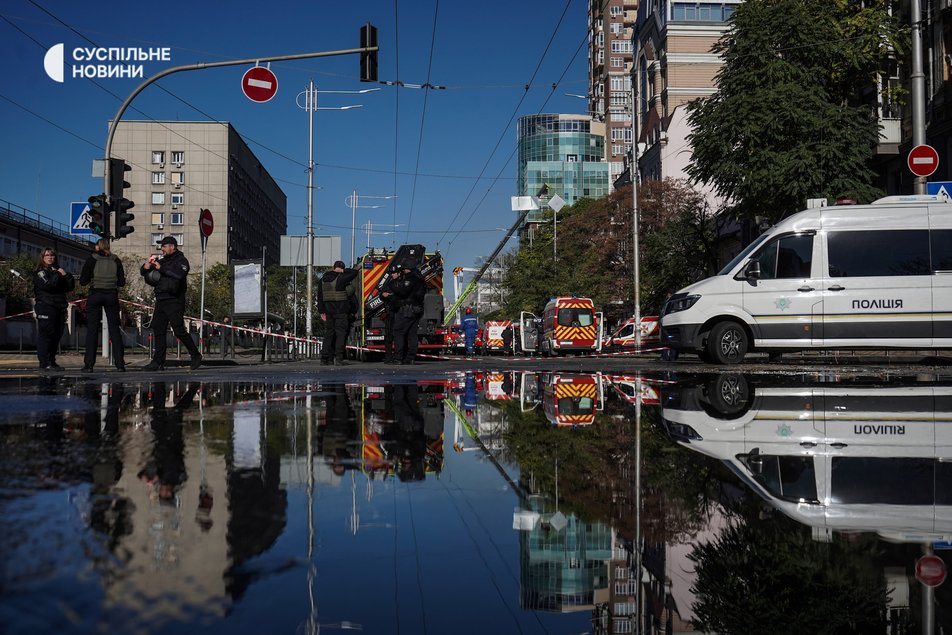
623	339
374	268
848	276
835	456
569	324
493	337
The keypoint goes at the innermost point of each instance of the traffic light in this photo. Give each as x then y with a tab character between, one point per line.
99	215
368	59
117	200
123	217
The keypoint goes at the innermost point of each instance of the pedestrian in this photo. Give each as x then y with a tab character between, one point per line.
507	340
409	293
386	292
167	275
51	283
104	274
227	337
470	327
335	302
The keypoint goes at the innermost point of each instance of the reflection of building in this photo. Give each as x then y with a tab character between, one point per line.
563	560
565	152
181	167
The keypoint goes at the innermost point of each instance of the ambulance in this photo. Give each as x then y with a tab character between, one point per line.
875	276
837	456
569	324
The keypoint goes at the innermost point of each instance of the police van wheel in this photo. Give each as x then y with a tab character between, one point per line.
727	343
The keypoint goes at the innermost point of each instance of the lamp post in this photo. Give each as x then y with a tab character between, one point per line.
310	105
353	201
369	228
634	173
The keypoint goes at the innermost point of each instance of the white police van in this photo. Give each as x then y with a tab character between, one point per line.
850	276
836	457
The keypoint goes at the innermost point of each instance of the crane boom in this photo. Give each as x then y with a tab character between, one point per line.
451	312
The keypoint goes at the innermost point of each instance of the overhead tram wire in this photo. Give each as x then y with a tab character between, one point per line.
515	111
511	154
426	96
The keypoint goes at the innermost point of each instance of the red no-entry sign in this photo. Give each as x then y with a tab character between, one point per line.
259	84
930	570
923	160
206	224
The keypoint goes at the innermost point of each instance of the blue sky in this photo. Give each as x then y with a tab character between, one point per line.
427	147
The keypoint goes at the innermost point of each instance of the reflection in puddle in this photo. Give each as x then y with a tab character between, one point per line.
475	502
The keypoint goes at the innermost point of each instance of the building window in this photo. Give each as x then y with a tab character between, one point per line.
618	148
701	11
177	218
615	11
618	62
156	238
158	218
621	46
620	82
180	238
178	157
616	28
178	178
158	157
158	198
158	178
178	198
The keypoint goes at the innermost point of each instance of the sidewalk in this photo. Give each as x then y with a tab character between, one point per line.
74	360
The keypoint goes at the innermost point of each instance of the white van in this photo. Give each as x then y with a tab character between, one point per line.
849	276
836	457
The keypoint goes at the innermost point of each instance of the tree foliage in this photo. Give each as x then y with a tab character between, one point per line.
677	244
790	119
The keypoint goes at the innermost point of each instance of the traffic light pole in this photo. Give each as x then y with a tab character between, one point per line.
204	65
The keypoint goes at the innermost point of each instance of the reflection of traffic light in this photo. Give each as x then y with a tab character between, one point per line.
119	204
368	59
99	215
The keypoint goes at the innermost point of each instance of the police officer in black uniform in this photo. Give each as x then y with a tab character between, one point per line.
51	283
168	276
409	293
103	271
336	304
386	292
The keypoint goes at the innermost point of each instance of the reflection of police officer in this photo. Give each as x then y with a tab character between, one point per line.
409	292
411	440
168	276
165	472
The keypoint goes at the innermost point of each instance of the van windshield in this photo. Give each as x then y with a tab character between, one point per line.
743	254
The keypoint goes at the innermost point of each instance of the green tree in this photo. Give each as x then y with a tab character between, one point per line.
788	121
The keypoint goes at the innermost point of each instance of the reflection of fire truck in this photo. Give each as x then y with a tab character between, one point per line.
374	270
572	400
569	324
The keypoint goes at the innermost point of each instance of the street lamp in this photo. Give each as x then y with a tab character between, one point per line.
353	201
310	105
369	227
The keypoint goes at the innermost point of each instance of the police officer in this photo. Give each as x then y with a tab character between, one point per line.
337	305
168	276
103	271
51	283
409	292
386	292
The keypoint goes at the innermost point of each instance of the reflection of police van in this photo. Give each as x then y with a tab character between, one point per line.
836	457
850	276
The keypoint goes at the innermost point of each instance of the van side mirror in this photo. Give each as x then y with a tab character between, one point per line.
752	270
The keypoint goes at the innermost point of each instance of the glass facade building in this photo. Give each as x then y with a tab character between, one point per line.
567	152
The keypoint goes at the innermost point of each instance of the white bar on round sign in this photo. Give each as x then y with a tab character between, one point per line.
258	83
922	160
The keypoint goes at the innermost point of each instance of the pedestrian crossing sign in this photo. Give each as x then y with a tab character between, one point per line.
79	219
941	188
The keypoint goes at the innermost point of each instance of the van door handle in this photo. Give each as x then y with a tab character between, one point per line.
808	444
836	287
805	288
838	446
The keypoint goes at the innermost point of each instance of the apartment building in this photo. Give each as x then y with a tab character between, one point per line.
182	167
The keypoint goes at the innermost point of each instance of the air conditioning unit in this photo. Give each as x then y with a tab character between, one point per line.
161	226
175	207
161	165
178	164
178	186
